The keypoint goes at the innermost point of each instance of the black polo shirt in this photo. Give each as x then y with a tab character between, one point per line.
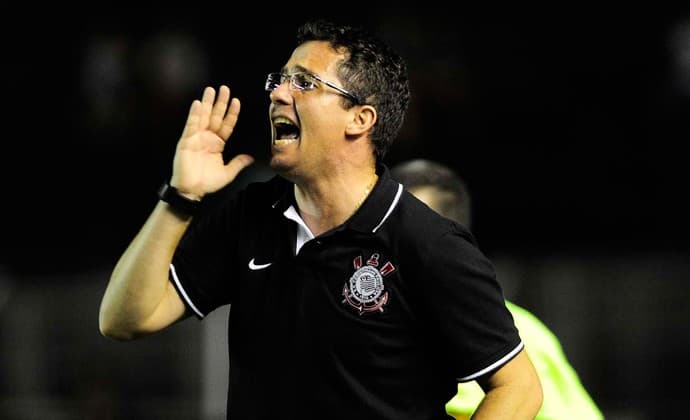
376	319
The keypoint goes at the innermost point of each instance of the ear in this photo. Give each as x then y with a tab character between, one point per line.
363	118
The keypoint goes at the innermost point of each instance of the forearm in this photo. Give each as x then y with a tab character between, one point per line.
139	299
509	403
512	392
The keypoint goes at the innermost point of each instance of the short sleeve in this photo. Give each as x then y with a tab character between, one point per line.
465	302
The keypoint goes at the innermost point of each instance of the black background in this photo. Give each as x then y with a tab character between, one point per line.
569	128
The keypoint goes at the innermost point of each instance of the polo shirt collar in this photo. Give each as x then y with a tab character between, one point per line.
378	206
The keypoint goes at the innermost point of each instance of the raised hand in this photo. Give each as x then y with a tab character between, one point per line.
198	166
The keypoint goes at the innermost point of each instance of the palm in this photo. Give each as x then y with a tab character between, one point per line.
199	167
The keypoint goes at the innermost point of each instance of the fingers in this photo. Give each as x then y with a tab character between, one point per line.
218	111
206	107
230	119
192	124
213	114
199	113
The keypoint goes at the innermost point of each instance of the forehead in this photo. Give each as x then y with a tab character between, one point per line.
315	56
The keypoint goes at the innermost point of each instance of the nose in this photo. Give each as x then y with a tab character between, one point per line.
282	93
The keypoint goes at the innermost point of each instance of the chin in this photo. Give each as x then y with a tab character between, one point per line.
279	165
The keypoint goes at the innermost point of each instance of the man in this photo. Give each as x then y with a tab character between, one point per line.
565	397
348	298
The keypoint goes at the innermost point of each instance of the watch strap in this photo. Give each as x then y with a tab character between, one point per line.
177	201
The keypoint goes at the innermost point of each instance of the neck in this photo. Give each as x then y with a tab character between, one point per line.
367	191
328	205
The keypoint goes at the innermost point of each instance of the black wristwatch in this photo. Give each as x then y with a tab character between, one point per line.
177	201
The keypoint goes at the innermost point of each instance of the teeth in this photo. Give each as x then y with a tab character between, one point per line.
282	120
283	142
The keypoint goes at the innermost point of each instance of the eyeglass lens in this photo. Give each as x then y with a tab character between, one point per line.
299	81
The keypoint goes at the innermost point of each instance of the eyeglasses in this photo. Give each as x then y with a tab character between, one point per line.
305	81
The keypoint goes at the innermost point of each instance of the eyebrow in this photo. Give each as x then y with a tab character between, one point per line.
297	69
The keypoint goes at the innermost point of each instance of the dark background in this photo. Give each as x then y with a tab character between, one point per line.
569	127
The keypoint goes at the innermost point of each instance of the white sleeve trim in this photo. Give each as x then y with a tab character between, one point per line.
493	366
184	294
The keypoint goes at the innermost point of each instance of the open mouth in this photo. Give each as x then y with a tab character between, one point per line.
286	132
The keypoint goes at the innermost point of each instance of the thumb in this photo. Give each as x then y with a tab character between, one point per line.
237	164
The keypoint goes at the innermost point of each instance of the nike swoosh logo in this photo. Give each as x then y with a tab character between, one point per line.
253	266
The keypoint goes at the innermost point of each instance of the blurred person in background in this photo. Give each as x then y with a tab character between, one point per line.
565	397
341	304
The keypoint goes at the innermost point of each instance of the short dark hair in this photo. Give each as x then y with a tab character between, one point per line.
453	199
371	70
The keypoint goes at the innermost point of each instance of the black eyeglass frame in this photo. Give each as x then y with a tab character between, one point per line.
273	80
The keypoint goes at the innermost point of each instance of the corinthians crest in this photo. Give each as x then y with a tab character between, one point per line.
365	291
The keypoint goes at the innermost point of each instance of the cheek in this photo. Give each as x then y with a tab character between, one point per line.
322	123
321	116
